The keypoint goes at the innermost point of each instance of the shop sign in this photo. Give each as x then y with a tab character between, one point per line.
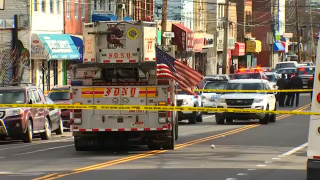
183	37
208	41
198	42
38	50
251	46
231	43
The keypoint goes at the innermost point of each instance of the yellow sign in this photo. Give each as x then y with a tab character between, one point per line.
132	33
253	46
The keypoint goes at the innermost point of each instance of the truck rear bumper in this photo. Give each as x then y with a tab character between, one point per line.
313	169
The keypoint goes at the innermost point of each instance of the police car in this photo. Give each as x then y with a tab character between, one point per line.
209	99
187	100
246	100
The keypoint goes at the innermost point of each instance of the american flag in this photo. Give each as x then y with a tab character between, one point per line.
168	67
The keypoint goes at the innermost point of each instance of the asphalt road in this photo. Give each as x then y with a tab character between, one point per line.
242	151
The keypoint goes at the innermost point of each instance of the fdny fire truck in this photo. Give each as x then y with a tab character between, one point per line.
119	68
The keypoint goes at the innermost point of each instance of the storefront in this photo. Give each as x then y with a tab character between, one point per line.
184	41
48	54
200	57
207	63
252	47
278	52
237	53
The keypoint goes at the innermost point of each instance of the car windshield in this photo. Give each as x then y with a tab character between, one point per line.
49	101
12	97
216	85
286	71
247	76
272	77
58	96
309	71
285	65
244	86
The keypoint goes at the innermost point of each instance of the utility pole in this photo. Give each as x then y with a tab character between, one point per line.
312	38
164	21
298	32
119	11
225	38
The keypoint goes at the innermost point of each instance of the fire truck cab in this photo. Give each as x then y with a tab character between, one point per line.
120	69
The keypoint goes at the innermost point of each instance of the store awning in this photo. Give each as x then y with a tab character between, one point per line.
278	47
107	17
78	42
59	46
183	37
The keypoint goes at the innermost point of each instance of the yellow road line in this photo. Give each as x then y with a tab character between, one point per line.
151	153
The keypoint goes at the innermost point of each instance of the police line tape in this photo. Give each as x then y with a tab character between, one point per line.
224	90
153	108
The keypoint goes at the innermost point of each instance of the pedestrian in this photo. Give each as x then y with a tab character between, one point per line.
289	94
310	85
282	84
232	69
296	83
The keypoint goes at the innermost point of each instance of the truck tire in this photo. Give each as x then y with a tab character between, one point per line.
28	135
176	126
193	118
171	143
77	145
199	118
219	119
229	120
47	127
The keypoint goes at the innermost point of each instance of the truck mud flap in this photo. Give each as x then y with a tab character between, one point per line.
313	169
3	128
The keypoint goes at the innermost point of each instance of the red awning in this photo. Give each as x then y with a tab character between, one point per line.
239	49
183	37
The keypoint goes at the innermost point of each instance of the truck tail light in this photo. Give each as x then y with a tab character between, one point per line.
318	97
77	115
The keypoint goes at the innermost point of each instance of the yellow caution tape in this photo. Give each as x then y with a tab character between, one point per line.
152	108
224	90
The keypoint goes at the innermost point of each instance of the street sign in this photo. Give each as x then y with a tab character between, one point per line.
168	34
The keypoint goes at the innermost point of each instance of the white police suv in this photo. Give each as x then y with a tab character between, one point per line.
247	100
187	100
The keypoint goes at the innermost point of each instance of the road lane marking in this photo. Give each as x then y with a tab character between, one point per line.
44	142
261	165
276	158
208	117
242	174
295	150
41	150
47	176
151	153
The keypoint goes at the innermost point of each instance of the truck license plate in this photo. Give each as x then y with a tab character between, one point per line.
120	120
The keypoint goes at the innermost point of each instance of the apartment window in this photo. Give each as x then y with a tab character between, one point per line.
76	9
36	3
102	5
148	8
83	8
51	6
43	5
58	6
95	4
68	8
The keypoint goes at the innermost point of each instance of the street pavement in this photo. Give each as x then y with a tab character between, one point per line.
237	151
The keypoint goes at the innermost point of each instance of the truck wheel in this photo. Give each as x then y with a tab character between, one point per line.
199	118
266	118
28	135
273	117
59	131
229	120
176	127
78	146
193	118
219	119
46	135
171	143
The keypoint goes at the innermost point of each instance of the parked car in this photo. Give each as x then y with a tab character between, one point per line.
61	95
55	118
287	64
24	123
306	73
307	63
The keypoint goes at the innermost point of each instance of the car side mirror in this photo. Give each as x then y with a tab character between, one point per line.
30	101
